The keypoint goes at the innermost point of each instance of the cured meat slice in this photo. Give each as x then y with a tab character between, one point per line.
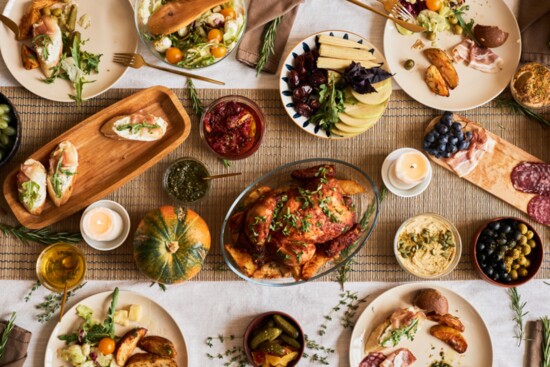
373	360
532	178
400	358
479	58
465	161
539	209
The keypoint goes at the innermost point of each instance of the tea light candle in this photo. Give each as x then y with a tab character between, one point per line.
409	170
102	224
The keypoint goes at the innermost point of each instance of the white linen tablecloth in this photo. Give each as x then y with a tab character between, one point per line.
204	309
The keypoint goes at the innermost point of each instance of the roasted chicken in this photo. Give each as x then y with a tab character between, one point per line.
308	222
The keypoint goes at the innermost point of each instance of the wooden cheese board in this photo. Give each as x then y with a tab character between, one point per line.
493	171
106	164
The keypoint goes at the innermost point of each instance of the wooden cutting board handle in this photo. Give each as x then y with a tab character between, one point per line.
175	15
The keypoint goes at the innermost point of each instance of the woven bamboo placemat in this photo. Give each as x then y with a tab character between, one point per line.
402	125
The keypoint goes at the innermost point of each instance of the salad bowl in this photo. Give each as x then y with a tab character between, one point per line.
365	204
208	40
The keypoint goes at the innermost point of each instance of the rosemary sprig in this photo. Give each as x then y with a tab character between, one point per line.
196	102
517	306
268	44
233	356
44	236
52	303
520	110
545	341
161	286
6	333
226	163
35	286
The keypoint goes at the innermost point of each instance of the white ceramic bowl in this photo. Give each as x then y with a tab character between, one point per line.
117	242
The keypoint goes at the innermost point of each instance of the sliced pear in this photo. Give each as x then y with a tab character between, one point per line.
365	111
344	134
383	92
357	122
353	129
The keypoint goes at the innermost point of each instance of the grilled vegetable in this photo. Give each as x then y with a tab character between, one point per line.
28	57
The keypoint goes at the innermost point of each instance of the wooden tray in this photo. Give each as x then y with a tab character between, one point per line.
106	164
493	172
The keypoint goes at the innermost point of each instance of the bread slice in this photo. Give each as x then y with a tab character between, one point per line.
31	185
62	172
138	126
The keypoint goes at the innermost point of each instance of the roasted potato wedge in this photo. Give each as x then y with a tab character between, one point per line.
312	266
150	360
444	64
28	57
158	345
126	345
242	258
323	170
350	187
435	81
447	320
272	270
450	336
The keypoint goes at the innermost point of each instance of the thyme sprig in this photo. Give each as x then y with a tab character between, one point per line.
196	102
268	44
233	356
6	334
349	302
518	109
34	287
317	352
44	236
52	303
517	306
545	341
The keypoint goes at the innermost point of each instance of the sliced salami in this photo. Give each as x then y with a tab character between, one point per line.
373	360
532	178
539	209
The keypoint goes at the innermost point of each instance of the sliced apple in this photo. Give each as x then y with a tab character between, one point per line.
365	111
383	92
357	122
353	129
344	134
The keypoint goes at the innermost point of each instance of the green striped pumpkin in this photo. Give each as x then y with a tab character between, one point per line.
170	244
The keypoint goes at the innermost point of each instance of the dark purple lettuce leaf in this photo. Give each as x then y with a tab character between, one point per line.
360	79
415	8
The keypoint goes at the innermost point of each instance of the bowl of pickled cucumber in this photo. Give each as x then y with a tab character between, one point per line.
10	130
507	251
274	339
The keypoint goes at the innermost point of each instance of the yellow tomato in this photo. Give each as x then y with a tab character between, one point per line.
106	346
215	34
173	55
219	51
229	12
434	5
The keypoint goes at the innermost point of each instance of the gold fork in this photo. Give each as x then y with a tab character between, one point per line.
409	26
11	25
395	8
136	61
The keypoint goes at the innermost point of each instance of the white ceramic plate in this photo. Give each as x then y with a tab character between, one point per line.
112	30
155	319
302	47
415	191
425	347
475	87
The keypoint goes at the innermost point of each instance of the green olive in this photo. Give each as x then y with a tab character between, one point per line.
409	64
515	266
4	139
10	131
522	240
46	11
57	12
6	117
526	249
532	243
522	261
4	108
516	253
3	124
431	36
514	274
522	228
457	29
528	263
508	260
452	19
522	272
529	235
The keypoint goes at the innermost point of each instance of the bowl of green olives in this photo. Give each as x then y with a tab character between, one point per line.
274	339
507	252
10	130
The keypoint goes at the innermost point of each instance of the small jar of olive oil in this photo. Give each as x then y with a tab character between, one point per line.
60	264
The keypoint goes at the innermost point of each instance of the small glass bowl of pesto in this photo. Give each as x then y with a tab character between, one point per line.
184	180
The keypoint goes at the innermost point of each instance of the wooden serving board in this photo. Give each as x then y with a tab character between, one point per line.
106	164
493	172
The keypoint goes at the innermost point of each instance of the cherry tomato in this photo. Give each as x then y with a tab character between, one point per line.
215	34
229	12
434	5
219	51
173	55
106	346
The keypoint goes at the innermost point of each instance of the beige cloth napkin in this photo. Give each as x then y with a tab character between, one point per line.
15	352
260	13
534	343
534	23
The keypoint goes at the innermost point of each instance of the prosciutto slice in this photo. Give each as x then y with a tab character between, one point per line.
400	358
476	57
464	161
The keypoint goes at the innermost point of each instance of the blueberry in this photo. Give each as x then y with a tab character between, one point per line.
453	140
443	139
468	135
438	154
447	118
447	155
456	126
430	137
495	226
442	129
427	144
442	147
463	145
451	148
459	135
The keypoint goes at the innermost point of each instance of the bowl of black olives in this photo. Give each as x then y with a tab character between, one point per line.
507	252
10	130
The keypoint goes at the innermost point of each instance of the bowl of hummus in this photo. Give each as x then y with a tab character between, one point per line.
427	246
